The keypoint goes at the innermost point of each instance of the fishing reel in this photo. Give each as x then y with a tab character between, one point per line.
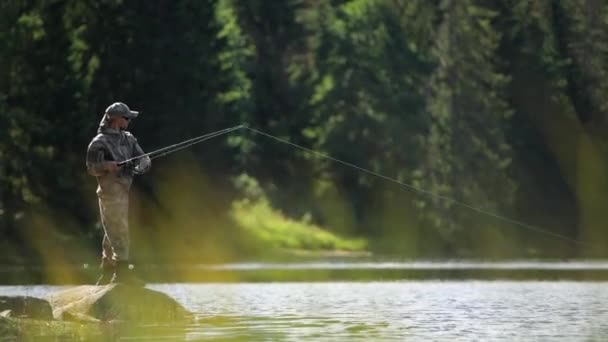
143	165
137	166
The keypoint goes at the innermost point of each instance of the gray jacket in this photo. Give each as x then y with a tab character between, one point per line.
114	145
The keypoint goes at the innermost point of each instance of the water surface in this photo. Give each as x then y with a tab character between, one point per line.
385	310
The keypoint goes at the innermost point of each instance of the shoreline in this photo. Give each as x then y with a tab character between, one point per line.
339	268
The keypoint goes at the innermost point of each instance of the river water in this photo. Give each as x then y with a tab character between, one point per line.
412	310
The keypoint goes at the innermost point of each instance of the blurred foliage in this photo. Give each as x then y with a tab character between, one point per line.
262	227
498	104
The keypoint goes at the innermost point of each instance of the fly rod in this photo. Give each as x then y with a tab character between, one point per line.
187	143
181	145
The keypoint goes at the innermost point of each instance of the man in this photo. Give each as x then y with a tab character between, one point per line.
112	145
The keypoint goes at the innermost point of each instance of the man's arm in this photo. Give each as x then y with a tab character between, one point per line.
97	165
142	165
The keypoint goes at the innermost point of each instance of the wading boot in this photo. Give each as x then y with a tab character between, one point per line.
125	275
107	270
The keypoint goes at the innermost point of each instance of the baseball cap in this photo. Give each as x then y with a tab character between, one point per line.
121	109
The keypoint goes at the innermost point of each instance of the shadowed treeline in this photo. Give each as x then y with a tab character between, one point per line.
497	104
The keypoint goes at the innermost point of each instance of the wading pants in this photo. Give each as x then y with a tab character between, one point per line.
115	220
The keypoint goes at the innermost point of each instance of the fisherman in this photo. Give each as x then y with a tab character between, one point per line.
113	145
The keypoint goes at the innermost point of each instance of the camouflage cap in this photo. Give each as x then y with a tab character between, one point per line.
121	109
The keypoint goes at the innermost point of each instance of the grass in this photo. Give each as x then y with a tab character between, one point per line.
266	227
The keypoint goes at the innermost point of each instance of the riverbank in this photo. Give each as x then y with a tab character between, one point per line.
358	269
263	228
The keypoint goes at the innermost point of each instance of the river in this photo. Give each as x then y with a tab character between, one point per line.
412	310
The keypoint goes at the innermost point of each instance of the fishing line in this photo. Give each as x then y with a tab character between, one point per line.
421	190
187	143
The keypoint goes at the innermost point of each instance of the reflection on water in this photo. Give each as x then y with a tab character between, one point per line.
381	310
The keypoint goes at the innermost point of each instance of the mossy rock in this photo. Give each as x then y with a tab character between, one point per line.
26	307
7	328
116	302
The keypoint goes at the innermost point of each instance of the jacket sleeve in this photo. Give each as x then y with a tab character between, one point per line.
143	164
96	159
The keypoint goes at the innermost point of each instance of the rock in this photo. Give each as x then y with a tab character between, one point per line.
26	307
64	315
116	302
8	331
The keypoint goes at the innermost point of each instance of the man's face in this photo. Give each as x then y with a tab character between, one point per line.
124	122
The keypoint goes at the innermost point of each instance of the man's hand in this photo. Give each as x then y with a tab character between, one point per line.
112	167
142	166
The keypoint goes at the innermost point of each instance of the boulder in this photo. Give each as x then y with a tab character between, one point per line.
7	330
116	302
25	307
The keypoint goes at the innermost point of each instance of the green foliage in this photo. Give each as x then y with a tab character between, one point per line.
260	227
497	104
373	61
269	229
469	113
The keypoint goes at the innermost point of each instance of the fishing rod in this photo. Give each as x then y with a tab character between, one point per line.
180	146
187	143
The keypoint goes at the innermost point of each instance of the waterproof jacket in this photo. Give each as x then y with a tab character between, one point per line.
112	145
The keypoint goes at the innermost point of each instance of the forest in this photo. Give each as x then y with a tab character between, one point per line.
492	112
